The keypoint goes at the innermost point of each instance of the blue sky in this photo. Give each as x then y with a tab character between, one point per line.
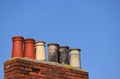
92	25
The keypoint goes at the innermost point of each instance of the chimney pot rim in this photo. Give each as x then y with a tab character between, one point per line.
64	47
31	39
18	37
40	41
53	44
75	49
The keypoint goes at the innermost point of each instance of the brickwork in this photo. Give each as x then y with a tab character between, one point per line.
24	68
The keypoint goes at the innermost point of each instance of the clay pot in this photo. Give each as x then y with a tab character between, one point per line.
75	57
53	52
29	51
64	54
17	46
40	50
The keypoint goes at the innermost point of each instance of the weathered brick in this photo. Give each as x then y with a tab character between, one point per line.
40	75
20	68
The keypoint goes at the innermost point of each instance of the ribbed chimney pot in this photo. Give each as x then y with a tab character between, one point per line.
40	50
29	51
64	53
53	52
75	57
17	46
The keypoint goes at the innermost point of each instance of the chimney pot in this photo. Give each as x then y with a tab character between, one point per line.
53	52
75	57
17	46
40	50
64	52
29	48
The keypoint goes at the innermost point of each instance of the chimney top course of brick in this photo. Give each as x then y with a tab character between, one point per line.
46	62
26	68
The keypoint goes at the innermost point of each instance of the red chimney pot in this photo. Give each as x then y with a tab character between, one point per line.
29	48
17	46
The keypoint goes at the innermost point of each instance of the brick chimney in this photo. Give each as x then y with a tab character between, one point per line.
23	68
29	48
40	50
26	67
17	46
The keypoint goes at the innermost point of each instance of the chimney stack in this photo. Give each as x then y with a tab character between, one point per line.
40	50
75	57
53	52
64	53
23	65
17	46
29	48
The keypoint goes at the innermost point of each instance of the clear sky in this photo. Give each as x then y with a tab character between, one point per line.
92	25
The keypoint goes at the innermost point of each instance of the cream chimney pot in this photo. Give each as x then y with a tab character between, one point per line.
40	50
75	57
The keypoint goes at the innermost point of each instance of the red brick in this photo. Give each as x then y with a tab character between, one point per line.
27	69
40	75
32	73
